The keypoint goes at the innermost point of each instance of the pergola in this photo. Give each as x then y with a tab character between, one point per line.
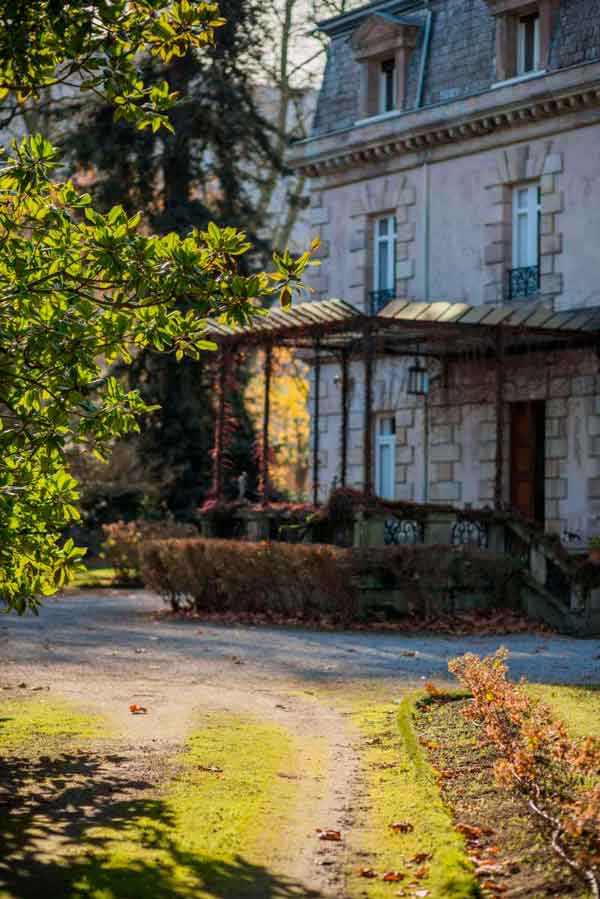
333	330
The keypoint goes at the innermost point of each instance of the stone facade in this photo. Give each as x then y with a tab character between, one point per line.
447	172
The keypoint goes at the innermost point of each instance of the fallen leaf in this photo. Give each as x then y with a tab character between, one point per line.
422	872
393	876
333	836
212	768
402	827
487	868
422	893
367	872
474	833
136	709
493	886
420	857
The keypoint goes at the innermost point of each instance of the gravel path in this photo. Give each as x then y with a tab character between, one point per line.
107	650
85	634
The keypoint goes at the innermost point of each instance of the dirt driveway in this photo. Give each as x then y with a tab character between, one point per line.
106	650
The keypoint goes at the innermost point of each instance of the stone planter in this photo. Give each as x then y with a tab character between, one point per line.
369	531
438	528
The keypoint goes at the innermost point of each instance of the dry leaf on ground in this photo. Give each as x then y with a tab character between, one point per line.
367	872
420	857
393	876
333	836
402	827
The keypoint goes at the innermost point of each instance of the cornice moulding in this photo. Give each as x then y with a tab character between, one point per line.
448	124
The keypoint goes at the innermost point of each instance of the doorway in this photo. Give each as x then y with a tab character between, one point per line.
527	459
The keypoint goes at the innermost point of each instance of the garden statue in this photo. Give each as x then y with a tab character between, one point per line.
242	486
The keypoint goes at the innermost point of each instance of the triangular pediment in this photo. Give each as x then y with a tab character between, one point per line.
382	28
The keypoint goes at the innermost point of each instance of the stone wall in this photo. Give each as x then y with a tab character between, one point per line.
462	426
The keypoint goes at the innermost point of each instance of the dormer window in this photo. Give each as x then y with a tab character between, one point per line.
382	44
528	44
523	32
387	86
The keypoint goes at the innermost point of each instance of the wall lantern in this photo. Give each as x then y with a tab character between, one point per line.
418	380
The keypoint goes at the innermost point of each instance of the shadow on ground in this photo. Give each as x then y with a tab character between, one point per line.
100	841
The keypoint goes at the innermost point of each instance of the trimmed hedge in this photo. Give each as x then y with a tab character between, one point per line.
311	581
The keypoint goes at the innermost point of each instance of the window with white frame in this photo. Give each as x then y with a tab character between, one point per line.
385	458
384	261
528	44
387	92
524	275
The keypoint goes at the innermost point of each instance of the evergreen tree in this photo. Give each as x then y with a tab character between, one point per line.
209	169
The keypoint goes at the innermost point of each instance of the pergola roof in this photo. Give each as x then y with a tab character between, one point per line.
403	325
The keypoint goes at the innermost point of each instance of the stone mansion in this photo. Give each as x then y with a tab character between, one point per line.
454	170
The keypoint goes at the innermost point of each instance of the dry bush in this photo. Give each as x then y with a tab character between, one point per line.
121	547
278	579
307	581
559	777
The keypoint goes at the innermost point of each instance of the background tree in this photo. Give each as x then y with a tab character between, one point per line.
208	168
80	289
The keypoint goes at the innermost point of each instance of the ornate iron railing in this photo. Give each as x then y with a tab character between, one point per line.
402	532
380	298
468	532
523	282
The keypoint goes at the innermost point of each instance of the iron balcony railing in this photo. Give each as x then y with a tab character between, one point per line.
380	298
523	282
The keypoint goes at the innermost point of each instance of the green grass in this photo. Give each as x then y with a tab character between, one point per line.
43	725
85	826
206	826
94	577
577	707
402	787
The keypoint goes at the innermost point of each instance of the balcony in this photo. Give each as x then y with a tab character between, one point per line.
523	282
380	298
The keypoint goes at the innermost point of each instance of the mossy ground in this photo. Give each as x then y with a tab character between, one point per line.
42	725
80	823
400	787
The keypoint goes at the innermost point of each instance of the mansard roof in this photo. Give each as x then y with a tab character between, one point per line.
457	62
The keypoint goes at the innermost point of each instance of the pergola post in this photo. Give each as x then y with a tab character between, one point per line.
264	459
500	374
345	403
220	425
368	411
316	435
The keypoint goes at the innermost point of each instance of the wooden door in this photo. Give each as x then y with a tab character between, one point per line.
527	430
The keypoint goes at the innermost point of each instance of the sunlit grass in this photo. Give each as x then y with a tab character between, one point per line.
578	707
401	787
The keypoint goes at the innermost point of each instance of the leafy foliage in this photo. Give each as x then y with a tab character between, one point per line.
95	46
81	290
559	777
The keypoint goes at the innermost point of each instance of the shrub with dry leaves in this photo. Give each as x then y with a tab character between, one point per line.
559	777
